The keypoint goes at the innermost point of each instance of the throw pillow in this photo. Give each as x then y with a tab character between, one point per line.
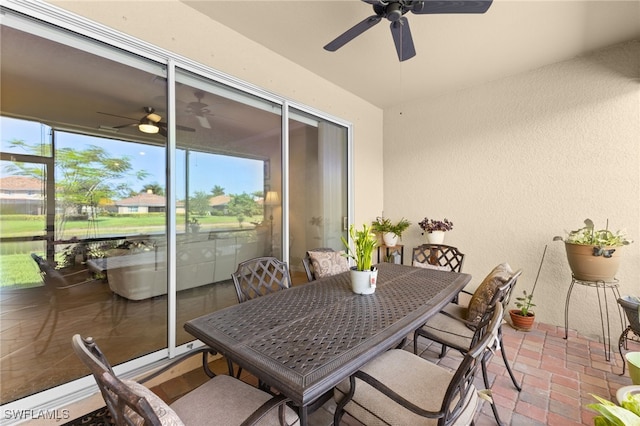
484	293
327	263
430	266
167	416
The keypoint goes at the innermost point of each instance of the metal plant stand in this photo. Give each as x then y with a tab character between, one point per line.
602	300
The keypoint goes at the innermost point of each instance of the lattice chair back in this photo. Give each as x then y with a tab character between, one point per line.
439	255
260	276
505	297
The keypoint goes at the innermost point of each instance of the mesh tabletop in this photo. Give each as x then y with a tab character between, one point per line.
306	339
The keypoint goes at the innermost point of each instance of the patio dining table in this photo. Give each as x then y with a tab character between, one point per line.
305	340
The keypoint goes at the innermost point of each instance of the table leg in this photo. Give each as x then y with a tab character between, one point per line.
304	416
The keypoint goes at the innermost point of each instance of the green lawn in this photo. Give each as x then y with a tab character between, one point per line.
17	268
22	225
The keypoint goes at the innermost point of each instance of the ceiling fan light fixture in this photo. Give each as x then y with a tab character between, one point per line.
148	126
154	117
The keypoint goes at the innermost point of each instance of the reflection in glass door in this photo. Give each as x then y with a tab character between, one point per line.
97	228
228	191
318	185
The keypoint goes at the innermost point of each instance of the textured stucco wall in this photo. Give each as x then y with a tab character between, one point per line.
516	161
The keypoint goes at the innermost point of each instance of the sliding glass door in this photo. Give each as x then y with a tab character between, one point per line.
143	182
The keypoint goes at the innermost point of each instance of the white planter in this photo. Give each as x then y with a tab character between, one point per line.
435	237
363	282
390	239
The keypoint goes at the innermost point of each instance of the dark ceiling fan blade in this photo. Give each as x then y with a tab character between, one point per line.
185	128
402	38
163	125
353	32
122	126
119	116
450	6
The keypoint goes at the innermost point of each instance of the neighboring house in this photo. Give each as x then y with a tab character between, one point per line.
21	195
219	203
147	202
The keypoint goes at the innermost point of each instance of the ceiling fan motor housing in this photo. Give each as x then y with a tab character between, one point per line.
393	11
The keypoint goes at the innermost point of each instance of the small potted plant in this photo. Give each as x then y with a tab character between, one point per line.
390	231
363	275
435	229
594	255
194	225
523	317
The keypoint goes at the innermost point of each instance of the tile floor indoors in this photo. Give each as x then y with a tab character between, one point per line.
557	377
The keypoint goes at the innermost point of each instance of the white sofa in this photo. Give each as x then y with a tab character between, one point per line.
201	259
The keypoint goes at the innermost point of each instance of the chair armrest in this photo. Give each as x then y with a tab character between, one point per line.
71	274
462	320
279	401
75	284
381	387
205	365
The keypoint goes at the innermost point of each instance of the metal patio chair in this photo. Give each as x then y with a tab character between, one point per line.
400	388
259	276
220	400
451	329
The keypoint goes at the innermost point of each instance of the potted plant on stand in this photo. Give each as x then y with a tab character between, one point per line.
435	229
594	255
390	231
363	275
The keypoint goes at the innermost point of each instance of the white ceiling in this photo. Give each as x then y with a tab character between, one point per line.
453	51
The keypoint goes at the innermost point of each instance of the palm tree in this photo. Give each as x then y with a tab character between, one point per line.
155	188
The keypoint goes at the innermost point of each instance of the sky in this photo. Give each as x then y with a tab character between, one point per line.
236	175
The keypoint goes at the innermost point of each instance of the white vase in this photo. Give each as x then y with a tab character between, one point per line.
363	282
390	239
435	237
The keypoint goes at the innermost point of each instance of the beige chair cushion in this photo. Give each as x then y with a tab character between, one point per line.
415	379
430	266
327	263
227	401
167	416
446	328
484	293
